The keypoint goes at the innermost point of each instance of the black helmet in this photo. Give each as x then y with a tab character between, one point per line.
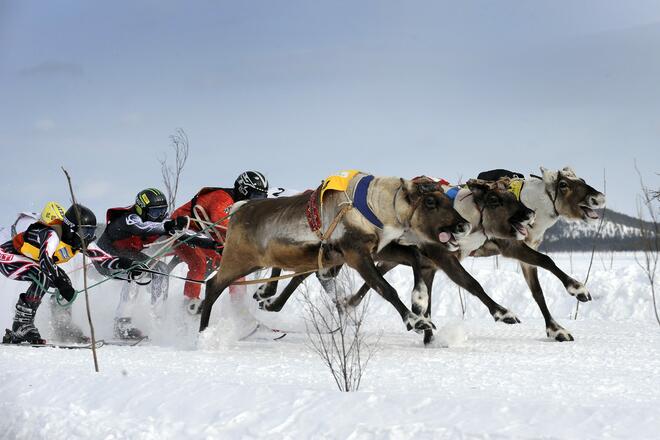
250	185
78	224
151	205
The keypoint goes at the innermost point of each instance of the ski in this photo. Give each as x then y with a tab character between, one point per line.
125	342
99	344
262	332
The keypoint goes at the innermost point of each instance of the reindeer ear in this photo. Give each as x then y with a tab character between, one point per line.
569	171
477	188
549	176
408	189
426	185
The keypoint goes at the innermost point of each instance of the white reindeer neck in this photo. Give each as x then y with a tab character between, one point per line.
535	196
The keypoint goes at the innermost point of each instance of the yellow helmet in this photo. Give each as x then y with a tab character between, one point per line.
51	212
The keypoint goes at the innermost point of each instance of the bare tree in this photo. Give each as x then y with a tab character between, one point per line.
172	173
655	195
649	236
337	334
593	248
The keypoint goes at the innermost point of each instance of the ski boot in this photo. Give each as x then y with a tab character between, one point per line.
124	329
70	332
193	305
63	327
23	329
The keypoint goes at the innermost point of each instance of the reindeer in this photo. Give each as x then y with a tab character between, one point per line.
555	194
278	233
493	212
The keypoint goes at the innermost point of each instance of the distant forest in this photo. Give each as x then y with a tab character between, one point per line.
557	238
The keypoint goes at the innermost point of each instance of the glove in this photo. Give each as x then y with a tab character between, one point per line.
175	224
65	288
212	245
124	263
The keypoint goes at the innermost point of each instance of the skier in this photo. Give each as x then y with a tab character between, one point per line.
51	211
213	205
33	255
128	232
61	320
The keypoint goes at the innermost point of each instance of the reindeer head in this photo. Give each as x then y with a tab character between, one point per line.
571	196
433	215
502	214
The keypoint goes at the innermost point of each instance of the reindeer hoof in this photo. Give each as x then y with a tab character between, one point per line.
506	317
419	324
559	334
260	293
579	291
267	305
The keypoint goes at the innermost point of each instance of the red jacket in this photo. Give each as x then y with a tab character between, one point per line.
216	202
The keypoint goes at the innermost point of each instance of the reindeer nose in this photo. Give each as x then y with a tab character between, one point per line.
462	228
597	200
531	215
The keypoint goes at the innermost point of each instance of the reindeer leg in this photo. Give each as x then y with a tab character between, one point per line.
276	304
231	269
355	300
364	264
520	251
268	290
450	265
428	274
553	330
392	255
419	297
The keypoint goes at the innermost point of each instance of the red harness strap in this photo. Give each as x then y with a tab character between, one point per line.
312	211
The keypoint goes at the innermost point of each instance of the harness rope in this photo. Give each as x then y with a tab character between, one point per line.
167	246
202	218
324	236
552	199
160	252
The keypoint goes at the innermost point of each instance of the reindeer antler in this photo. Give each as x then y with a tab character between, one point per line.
500	184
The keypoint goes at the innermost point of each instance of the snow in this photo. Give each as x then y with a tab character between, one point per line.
479	379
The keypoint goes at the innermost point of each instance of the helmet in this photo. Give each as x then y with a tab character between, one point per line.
51	212
78	225
151	205
250	185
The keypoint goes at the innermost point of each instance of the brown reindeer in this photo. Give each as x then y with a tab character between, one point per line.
277	233
493	212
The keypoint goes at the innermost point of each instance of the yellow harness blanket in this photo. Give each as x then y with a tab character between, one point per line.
515	186
337	182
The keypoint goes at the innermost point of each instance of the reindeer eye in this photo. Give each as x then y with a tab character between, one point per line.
563	185
430	202
492	201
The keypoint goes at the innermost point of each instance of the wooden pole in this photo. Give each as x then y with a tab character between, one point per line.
84	249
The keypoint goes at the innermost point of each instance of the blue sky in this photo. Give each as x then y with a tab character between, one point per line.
299	90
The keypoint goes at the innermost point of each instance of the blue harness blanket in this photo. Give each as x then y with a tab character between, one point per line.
360	201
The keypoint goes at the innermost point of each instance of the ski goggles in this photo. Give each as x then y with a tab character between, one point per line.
156	212
87	232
